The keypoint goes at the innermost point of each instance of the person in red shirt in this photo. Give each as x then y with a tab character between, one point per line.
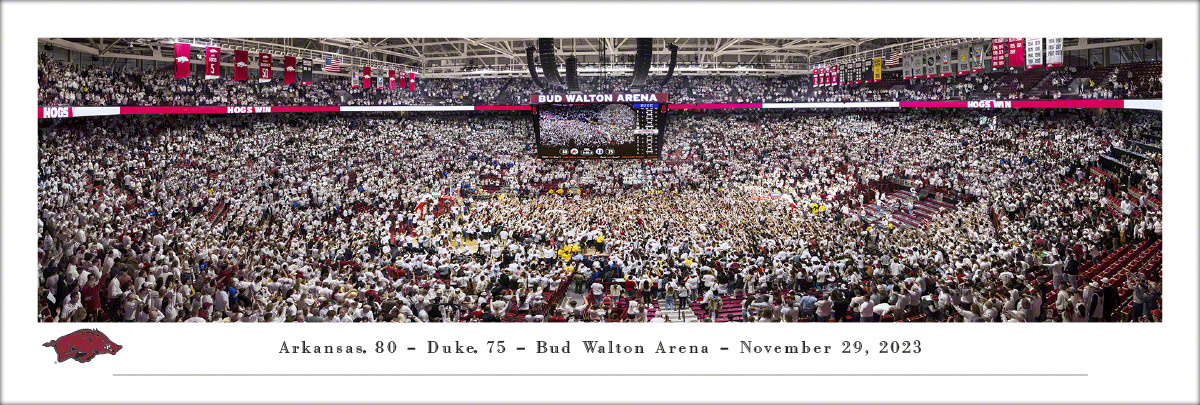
91	298
372	295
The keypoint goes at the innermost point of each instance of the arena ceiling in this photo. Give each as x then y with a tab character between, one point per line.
491	57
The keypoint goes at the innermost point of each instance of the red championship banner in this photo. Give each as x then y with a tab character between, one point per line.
241	65
412	81
183	60
814	77
1016	52
212	62
289	69
264	67
366	77
999	52
391	80
599	98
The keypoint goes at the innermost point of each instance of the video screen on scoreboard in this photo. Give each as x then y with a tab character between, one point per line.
600	131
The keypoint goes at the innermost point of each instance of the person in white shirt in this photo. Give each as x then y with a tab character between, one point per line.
597	291
900	310
867	310
824	308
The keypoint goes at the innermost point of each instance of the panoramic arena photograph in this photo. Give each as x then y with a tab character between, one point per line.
599	180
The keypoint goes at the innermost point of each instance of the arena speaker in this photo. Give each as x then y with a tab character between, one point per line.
549	62
572	74
671	67
529	52
641	62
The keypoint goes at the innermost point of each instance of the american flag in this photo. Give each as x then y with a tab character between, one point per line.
332	65
893	59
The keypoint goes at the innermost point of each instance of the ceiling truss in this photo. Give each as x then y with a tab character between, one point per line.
480	57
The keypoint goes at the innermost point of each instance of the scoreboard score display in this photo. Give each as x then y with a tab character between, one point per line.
599	126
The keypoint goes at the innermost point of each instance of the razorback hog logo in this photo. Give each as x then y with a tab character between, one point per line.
291	69
82	345
242	64
182	59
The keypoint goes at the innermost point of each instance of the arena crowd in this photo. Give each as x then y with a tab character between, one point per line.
586	125
328	217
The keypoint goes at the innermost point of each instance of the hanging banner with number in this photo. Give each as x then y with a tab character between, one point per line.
964	60
931	64
212	63
1033	53
1054	56
999	52
264	67
306	71
1016	52
944	65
